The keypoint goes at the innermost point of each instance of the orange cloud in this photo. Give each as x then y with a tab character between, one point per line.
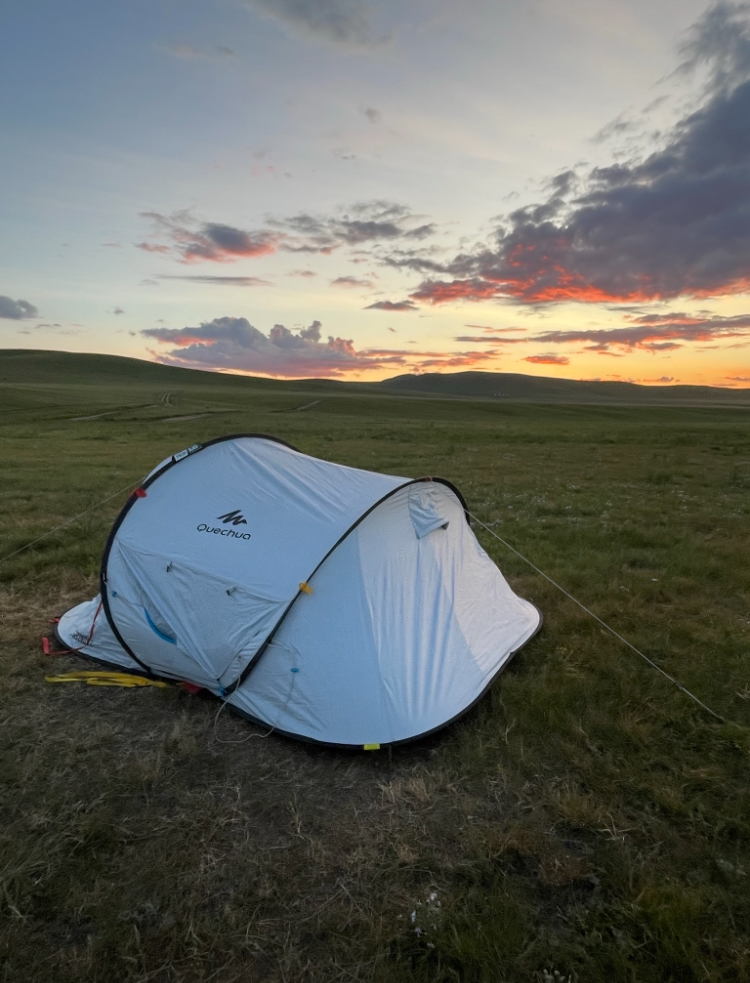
548	359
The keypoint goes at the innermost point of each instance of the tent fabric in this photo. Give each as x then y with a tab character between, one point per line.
332	604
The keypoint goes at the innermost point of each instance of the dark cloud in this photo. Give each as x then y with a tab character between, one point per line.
372	115
340	22
352	281
719	41
417	260
16	310
226	281
209	241
362	223
675	223
118	310
653	333
390	305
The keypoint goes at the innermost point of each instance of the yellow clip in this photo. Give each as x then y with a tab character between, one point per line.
370	747
106	679
304	586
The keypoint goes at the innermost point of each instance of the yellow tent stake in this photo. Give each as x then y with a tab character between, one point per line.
123	679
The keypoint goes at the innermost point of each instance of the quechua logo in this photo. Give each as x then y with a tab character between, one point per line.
233	518
236	518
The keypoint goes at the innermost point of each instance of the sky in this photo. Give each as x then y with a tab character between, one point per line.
353	190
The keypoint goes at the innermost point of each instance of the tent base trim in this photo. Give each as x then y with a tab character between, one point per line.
329	744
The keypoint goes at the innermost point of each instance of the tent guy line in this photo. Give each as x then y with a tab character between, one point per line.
484	525
75	518
602	623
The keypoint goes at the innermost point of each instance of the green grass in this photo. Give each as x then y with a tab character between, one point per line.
585	819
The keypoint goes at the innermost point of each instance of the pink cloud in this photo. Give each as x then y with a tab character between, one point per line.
233	344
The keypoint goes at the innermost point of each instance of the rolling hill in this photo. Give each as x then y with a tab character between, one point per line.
28	366
531	388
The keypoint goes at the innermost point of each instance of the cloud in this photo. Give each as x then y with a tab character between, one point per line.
208	241
654	332
16	310
672	224
118	310
233	344
364	223
344	23
302	273
719	41
220	281
548	359
491	340
442	291
372	115
390	305
487	327
738	378
152	247
351	281
616	128
417	260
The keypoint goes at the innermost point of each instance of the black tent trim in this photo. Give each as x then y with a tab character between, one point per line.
330	744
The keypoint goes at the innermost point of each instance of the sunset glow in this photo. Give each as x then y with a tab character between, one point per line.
255	192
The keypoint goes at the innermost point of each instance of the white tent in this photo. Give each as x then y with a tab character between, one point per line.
332	604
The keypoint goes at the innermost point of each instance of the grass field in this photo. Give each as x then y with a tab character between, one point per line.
584	823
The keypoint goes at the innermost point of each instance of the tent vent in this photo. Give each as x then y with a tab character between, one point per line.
423	510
